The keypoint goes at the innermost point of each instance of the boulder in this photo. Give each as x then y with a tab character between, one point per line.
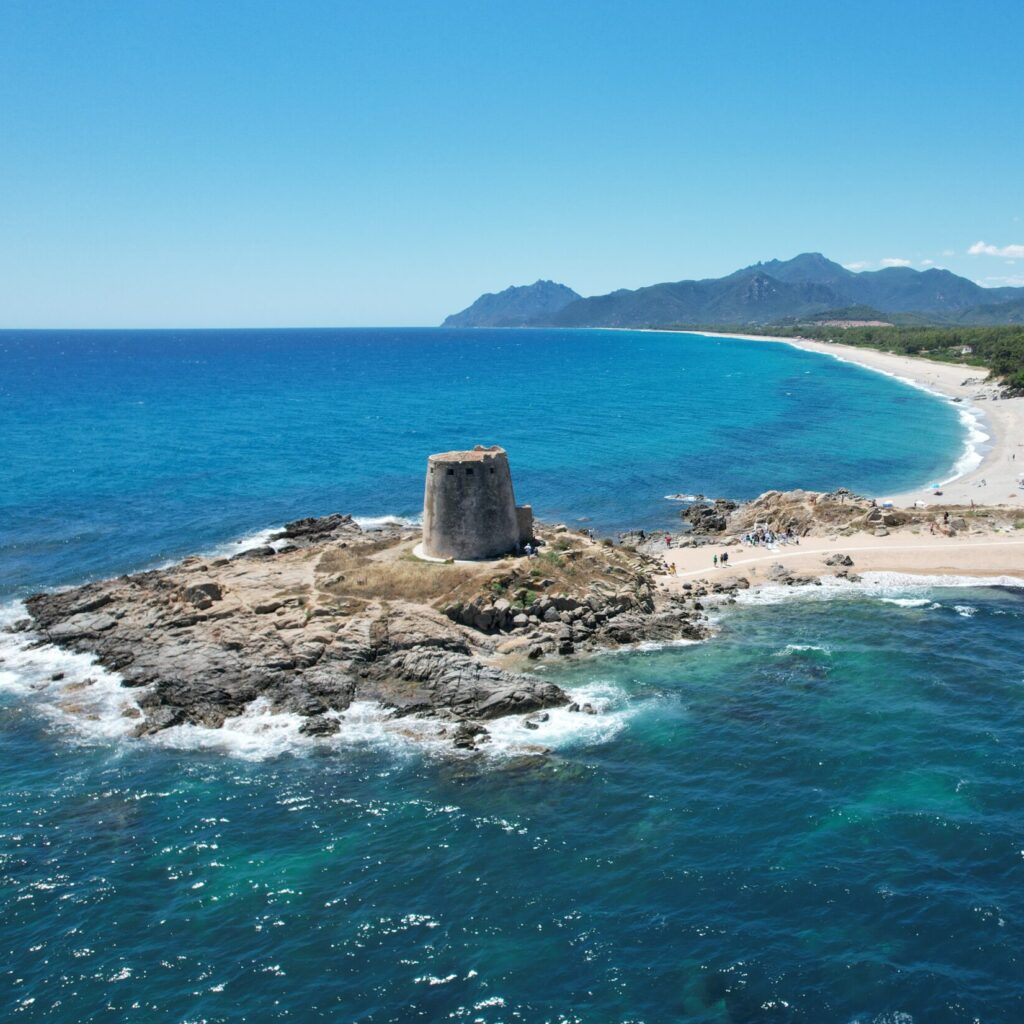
317	529
319	725
839	559
707	518
467	735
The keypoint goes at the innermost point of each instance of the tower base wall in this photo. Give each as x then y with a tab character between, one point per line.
524	523
469	509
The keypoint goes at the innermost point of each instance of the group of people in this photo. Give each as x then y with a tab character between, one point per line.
722	559
766	537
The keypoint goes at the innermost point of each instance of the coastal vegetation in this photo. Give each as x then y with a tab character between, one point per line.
999	349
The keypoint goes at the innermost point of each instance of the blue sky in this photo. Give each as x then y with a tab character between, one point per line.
312	163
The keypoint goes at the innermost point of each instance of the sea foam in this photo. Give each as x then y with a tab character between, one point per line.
262	538
891	587
92	703
67	688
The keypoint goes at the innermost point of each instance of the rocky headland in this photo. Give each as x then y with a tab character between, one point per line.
326	614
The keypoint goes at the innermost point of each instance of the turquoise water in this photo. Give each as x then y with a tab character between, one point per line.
122	449
816	816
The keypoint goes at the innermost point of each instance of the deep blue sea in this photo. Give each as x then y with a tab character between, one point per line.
125	448
817	816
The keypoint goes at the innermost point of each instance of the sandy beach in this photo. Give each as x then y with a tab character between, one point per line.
990	470
987	555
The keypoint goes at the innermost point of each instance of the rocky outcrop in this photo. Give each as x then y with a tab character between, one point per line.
201	640
709	517
838	559
318	529
780	574
800	513
612	613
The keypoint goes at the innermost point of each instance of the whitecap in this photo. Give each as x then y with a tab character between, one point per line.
564	728
872	584
975	444
802	648
92	703
86	696
260	733
262	538
966	610
372	523
650	646
249	542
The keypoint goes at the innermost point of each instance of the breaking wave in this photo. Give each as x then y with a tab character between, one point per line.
68	689
890	587
77	695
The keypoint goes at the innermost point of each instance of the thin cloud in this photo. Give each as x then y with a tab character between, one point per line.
1003	282
1008	251
927	263
859	265
894	261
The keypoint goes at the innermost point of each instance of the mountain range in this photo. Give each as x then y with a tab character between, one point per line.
807	287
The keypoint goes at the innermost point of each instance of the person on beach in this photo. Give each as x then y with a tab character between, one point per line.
714	561
668	540
724	558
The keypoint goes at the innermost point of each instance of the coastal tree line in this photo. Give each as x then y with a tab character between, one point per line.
999	349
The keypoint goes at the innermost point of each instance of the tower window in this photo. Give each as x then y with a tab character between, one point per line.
469	472
451	472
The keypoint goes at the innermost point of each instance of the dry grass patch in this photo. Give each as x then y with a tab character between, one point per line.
353	572
569	564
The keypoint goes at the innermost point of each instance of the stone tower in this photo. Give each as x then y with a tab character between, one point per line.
469	508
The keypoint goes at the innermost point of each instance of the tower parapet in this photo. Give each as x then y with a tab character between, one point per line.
469	507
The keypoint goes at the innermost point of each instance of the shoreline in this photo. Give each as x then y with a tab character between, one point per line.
986	473
971	560
82	650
